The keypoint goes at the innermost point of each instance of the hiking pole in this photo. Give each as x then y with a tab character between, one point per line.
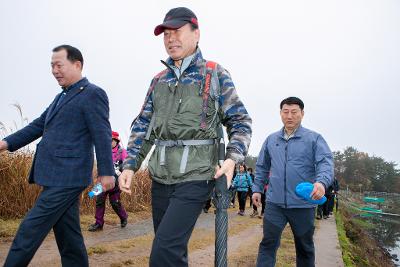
221	202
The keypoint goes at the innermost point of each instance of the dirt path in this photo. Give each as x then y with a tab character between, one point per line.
131	246
248	238
48	255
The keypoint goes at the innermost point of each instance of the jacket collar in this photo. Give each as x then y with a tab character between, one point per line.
194	58
297	134
71	92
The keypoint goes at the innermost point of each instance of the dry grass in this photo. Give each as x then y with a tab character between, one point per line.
17	196
96	250
8	228
286	255
248	252
135	261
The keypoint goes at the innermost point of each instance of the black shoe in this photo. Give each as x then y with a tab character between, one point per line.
205	210
95	227
326	216
319	217
124	222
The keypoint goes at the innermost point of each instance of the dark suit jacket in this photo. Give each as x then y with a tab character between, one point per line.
69	131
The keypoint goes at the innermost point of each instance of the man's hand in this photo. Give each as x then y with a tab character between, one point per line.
318	191
256	199
3	146
107	182
227	168
125	180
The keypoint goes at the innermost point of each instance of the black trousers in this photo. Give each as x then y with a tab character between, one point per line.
250	195
175	211
242	196
302	223
57	208
207	205
331	203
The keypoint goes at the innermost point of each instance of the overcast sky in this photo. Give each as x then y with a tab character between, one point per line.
341	57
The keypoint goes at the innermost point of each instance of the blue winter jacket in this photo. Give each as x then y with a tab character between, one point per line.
283	164
242	182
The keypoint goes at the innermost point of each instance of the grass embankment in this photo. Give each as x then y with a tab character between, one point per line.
358	248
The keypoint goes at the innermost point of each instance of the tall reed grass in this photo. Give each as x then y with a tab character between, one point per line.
17	196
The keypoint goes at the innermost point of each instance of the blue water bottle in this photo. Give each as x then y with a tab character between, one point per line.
96	190
304	190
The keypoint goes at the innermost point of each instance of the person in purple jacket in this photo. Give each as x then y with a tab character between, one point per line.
288	157
118	155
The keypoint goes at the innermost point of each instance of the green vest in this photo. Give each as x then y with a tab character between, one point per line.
177	113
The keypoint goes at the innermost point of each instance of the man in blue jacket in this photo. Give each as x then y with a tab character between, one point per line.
288	157
75	122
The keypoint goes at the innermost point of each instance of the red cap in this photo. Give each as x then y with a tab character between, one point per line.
115	135
176	18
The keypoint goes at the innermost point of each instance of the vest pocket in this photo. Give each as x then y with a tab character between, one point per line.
185	123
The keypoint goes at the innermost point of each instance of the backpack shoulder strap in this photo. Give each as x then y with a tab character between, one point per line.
248	179
210	68
152	86
149	92
151	89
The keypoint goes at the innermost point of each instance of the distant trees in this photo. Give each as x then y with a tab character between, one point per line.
250	162
357	169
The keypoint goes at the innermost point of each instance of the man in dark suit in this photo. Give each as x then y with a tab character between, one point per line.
75	121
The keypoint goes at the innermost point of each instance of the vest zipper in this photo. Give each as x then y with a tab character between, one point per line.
170	106
176	87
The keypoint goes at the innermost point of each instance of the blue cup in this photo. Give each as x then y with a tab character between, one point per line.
304	190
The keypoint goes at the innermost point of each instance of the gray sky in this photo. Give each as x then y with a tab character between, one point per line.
341	57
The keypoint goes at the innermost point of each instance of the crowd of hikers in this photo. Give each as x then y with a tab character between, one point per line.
186	108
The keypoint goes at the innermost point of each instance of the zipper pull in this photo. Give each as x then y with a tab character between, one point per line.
179	104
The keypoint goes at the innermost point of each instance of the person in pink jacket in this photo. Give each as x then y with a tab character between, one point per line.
118	156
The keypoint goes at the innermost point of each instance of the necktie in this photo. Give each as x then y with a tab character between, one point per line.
63	94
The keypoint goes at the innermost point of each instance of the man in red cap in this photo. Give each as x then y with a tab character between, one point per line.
183	114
